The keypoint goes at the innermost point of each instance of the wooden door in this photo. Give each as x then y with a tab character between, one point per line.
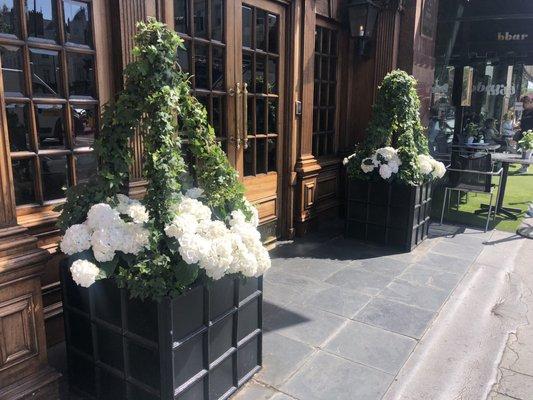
260	50
235	55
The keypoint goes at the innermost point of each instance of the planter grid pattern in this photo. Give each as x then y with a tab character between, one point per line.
391	214
204	344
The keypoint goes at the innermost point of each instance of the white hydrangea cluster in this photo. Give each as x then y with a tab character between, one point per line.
385	160
106	232
217	249
429	166
84	272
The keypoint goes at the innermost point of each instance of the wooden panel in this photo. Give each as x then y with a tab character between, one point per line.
18	338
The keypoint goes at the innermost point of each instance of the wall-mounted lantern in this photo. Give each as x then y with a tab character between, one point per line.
363	15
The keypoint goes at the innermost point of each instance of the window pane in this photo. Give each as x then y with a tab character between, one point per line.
45	72
247	27
260	65
86	167
260	116
272	154
272	116
180	16
13	76
41	17
261	167
18	127
24	180
272	33
85	126
247	69
54	177
201	64
183	57
200	18
81	74
218	68
249	158
272	75
9	17
260	29
50	126
217	20
78	24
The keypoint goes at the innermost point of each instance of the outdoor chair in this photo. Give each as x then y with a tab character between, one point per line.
471	173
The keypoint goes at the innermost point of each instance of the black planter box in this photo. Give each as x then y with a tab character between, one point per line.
391	214
204	344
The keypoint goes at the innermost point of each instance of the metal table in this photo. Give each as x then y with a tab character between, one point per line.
490	147
506	160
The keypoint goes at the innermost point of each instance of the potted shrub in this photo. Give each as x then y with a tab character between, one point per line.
390	174
162	297
526	144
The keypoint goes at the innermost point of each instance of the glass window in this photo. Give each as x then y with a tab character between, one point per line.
78	25
84	126
24	179
50	120
18	127
12	72
9	17
81	75
45	69
54	173
41	18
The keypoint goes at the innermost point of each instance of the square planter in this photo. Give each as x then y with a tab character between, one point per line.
391	214
203	344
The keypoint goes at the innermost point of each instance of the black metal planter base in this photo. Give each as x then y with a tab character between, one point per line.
391	214
202	345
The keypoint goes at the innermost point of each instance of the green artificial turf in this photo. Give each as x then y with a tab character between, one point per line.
518	194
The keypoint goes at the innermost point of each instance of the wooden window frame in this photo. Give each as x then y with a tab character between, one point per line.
25	43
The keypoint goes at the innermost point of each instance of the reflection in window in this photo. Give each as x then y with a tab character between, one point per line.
50	126
86	166
45	72
24	179
13	75
84	126
77	22
81	78
9	21
54	177
18	127
41	17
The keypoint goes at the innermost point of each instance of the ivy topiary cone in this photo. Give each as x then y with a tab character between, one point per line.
396	123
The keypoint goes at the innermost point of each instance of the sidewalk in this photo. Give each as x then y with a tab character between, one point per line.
342	317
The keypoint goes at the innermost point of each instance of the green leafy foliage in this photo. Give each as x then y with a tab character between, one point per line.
156	96
396	123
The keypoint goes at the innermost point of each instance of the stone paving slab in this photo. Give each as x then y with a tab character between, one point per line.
341	317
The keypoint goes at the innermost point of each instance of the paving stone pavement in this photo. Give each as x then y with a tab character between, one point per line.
341	317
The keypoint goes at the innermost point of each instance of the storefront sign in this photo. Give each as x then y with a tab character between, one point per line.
495	89
508	37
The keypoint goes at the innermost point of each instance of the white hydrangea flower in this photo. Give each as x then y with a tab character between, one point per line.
385	171
425	164
194	207
237	217
77	238
192	246
394	166
123	203
194	193
212	230
182	224
84	272
255	214
439	169
101	216
138	213
388	153
136	238
218	258
366	167
106	241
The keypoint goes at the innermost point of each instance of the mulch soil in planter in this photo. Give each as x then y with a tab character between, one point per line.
391	214
203	344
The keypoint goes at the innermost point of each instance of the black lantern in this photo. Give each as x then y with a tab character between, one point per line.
363	15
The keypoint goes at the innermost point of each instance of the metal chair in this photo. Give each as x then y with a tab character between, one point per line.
471	173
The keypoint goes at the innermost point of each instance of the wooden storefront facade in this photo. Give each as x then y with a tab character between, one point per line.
285	90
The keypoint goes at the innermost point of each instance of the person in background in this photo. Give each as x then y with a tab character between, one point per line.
489	131
526	123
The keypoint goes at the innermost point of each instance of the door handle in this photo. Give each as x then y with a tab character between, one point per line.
245	114
237	96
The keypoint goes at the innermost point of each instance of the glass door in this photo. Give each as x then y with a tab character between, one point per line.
260	51
235	54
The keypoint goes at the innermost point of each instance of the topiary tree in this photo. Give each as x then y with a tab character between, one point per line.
395	123
156	99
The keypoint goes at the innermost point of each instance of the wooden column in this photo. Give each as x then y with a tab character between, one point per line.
24	372
307	167
387	42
